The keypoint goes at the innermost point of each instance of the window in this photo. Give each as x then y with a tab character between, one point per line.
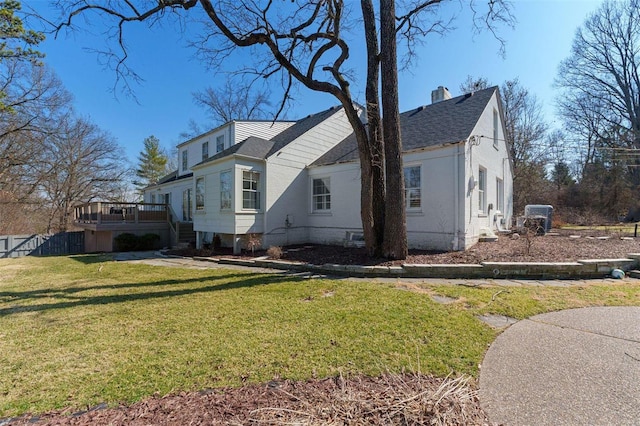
250	193
200	193
185	159
220	143
322	194
482	190
500	195
495	128
186	205
153	198
205	151
412	192
225	190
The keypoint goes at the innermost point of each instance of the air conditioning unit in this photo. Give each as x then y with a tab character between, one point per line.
540	215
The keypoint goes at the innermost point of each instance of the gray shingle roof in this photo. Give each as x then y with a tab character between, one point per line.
172	177
437	124
251	147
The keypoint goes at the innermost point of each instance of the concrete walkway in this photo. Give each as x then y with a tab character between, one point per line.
573	367
156	258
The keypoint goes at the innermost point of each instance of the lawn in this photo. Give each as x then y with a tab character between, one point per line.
81	330
619	228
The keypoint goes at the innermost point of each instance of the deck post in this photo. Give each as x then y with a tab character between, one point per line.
99	212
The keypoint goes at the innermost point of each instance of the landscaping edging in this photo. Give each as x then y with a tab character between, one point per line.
581	269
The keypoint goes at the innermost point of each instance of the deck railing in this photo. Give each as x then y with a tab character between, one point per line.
104	213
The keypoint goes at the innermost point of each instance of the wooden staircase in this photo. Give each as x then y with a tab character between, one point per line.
186	234
182	233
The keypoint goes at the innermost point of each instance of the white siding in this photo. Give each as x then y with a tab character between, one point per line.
211	218
331	227
261	129
288	199
317	141
235	221
432	226
495	159
175	188
233	133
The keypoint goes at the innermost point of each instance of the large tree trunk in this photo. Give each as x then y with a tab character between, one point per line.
373	172
395	229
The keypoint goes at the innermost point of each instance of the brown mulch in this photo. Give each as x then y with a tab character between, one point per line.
409	399
554	247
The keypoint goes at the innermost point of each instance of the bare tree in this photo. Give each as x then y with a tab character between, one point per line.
471	84
84	164
36	101
395	233
600	81
234	101
306	43
524	123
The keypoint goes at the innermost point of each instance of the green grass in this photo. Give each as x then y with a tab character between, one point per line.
621	228
81	330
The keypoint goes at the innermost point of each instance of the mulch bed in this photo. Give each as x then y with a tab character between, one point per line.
385	400
558	246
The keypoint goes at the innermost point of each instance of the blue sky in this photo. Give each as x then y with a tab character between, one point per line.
541	39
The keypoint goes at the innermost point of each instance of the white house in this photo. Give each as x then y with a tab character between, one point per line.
302	185
177	188
458	175
260	187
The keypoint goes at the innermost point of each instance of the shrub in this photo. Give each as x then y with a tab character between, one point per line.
148	241
131	242
126	242
274	252
253	242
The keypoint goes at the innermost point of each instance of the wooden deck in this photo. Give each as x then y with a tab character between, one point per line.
99	213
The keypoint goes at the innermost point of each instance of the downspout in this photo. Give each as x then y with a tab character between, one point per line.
456	199
264	203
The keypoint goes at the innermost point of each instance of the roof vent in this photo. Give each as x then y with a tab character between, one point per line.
440	94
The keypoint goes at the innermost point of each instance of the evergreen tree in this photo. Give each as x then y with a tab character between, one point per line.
152	163
16	42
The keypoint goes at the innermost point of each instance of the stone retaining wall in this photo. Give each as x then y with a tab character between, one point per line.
582	269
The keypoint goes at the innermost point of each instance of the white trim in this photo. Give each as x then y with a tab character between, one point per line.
258	189
482	192
326	196
407	201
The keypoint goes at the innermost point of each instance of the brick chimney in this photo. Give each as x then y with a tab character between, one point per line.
440	94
